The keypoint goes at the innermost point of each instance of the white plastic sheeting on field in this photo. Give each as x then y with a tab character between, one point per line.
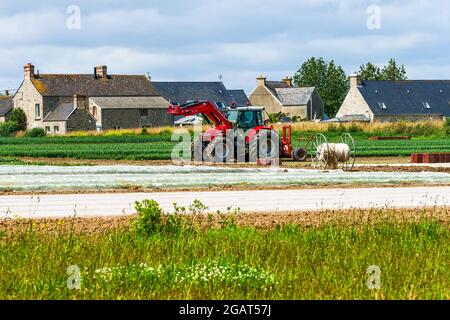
122	176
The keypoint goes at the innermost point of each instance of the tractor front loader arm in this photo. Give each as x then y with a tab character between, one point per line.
208	109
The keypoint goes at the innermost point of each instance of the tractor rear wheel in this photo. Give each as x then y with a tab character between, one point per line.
264	145
220	150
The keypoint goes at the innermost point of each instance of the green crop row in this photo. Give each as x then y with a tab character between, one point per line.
159	147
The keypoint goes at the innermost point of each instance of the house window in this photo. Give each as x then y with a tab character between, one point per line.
37	111
94	111
47	129
56	129
382	105
144	112
426	105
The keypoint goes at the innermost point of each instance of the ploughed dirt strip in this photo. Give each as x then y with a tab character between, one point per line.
353	217
134	189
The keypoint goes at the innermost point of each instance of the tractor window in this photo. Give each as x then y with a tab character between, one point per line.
248	120
233	116
259	118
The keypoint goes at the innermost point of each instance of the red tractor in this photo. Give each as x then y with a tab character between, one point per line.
241	134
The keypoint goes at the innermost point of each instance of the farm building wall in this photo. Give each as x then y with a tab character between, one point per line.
354	104
80	120
54	127
131	118
300	111
407	117
318	108
261	96
26	98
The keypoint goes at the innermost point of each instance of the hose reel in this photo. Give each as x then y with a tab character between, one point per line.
325	155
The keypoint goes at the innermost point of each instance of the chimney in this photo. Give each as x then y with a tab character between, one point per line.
101	72
355	80
288	81
80	102
261	81
28	71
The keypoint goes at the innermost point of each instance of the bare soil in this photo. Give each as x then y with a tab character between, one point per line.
135	189
354	217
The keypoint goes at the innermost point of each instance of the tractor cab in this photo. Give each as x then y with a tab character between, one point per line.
246	118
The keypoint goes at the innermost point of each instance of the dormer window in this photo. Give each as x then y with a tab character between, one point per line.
426	105
382	105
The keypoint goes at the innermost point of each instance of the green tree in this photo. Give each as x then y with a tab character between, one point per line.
19	117
329	79
392	71
370	71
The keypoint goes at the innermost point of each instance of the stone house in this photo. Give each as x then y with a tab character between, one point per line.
386	101
47	99
6	106
216	92
282	96
69	116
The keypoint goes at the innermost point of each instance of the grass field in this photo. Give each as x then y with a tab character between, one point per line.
158	146
180	259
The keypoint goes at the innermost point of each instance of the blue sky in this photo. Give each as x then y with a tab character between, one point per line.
238	39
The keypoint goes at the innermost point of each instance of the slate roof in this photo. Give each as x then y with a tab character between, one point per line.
294	96
239	97
88	85
182	92
61	112
130	102
407	97
273	85
6	105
